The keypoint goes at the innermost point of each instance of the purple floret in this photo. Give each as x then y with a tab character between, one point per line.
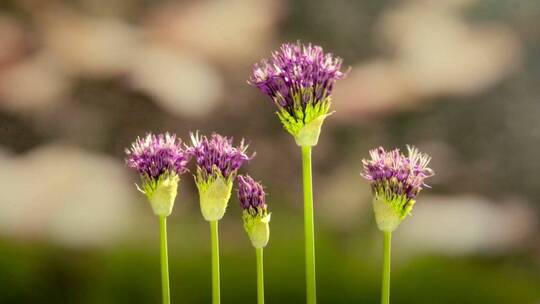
250	193
218	152
393	174
297	71
159	154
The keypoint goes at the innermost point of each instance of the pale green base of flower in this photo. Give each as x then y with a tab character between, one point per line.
257	228
161	193
389	214
214	194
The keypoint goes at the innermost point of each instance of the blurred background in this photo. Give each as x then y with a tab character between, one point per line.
80	79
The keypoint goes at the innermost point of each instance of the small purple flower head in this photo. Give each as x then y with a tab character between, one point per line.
396	178
159	159
251	195
297	70
216	154
155	155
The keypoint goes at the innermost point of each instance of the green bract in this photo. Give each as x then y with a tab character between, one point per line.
214	193
257	228
389	213
304	121
161	192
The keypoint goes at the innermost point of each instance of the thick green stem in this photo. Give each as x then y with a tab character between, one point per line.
385	293
260	276
311	293
164	260
215	262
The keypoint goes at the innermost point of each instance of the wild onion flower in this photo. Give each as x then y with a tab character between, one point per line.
217	162
299	79
255	215
256	218
159	160
396	180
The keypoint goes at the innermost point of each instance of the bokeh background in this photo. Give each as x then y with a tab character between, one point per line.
80	79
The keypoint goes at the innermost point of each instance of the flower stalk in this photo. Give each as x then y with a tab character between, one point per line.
217	162
299	79
396	180
160	160
251	196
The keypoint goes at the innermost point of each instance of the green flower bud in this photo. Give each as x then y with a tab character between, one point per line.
257	228
214	195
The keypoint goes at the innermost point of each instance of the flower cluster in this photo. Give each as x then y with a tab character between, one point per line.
251	195
397	179
157	155
217	156
159	159
218	162
299	79
256	217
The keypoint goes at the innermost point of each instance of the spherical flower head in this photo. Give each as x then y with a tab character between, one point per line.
217	162
396	180
299	79
159	160
256	217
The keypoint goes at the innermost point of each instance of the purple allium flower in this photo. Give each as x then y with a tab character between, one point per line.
217	154
155	155
297	75
396	176
251	194
299	79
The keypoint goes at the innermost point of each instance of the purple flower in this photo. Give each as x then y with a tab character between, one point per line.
155	155
396	176
296	76
250	194
217	153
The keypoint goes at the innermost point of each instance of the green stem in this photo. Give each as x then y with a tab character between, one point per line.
260	276
311	293
215	262
164	260
385	294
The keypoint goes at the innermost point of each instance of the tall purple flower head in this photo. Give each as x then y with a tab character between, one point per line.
155	155
396	178
218	161
299	79
256	217
251	195
159	160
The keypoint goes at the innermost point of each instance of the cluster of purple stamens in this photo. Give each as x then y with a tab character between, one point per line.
251	194
295	72
393	174
159	154
217	152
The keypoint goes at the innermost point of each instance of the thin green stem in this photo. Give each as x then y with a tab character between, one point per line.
385	293
164	260
215	262
260	276
311	293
